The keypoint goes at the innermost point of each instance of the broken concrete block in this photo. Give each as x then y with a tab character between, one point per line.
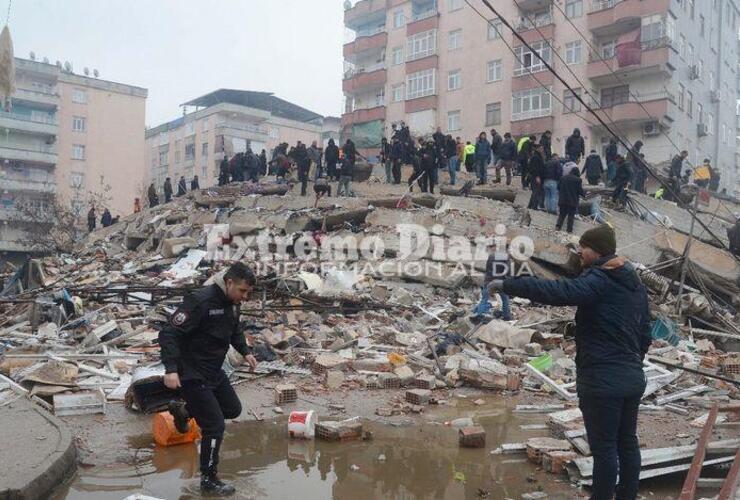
328	361
389	381
285	393
418	396
339	431
172	247
533	349
334	379
425	382
501	334
472	437
554	461
538	446
404	374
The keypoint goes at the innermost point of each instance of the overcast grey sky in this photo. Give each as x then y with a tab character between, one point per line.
181	49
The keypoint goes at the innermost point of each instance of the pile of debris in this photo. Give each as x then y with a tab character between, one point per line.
79	331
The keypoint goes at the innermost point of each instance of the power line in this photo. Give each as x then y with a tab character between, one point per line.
598	118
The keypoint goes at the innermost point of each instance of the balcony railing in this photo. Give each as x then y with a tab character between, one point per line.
370	31
33	149
419	16
634	96
242	126
365	69
646	45
536	21
47	120
50	93
598	5
532	113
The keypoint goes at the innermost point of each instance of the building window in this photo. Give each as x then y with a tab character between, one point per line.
164	154
530	103
79	96
711	80
681	96
397	55
204	150
570	103
690	54
190	128
700	68
615	95
689	104
454	39
494	71
701	24
163	138
527	62
398	92
682	46
700	112
78	124
204	125
420	84
455	5
189	149
573	8
178	151
78	152
398	19
657	31
573	52
494	29
710	121
421	45
454	80
76	180
493	114
453	121
608	49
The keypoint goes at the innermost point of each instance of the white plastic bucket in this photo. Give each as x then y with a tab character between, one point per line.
301	424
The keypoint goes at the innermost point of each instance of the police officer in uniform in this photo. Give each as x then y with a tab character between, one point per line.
194	345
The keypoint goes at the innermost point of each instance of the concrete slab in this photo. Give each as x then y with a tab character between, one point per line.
38	451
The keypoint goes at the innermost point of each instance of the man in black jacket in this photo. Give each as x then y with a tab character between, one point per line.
167	190
300	156
571	189
621	180
506	158
612	338
536	168
182	186
331	155
575	147
593	168
194	345
550	179
195	183
611	161
91	219
546	143
223	171
152	195
396	157
385	159
428	165
496	142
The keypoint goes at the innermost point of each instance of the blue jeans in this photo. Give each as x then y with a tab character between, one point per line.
482	165
452	169
388	172
551	196
611	427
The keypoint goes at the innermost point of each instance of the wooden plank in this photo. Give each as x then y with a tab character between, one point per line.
729	486
688	492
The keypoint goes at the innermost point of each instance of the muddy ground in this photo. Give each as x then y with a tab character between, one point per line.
410	456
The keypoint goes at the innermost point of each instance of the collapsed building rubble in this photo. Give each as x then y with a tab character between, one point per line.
79	332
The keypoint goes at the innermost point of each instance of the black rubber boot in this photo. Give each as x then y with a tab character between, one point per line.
180	415
211	485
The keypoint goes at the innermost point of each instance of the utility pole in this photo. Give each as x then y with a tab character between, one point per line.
685	258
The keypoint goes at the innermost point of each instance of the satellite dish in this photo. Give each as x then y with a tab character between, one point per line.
96	73
46	60
86	71
32	56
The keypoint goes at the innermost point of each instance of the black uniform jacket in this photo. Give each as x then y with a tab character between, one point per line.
195	341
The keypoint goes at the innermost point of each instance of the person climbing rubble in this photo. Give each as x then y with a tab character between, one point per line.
194	345
612	338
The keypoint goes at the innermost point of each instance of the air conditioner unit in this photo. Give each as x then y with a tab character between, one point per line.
693	72
716	95
651	128
702	129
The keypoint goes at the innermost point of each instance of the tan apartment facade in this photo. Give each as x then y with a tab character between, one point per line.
439	64
226	122
66	136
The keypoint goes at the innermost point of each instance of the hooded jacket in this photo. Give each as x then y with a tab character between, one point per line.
508	150
496	142
331	155
612	324
483	149
575	146
570	189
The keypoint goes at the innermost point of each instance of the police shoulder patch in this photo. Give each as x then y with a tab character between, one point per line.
179	318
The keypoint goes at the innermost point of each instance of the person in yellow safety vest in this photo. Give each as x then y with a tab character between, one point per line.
702	174
520	144
659	193
469	156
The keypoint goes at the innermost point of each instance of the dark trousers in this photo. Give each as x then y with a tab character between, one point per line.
538	195
211	403
303	177
611	426
417	174
569	212
396	170
593	181
431	179
620	194
331	170
322	190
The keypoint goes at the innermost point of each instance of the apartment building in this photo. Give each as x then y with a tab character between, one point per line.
227	121
659	71
66	136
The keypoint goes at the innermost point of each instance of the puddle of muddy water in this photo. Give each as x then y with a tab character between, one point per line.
413	461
